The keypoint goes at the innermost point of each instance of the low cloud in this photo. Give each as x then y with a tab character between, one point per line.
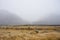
7	18
52	19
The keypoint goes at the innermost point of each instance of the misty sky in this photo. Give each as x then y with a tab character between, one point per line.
31	10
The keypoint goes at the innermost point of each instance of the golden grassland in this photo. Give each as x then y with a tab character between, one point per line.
30	33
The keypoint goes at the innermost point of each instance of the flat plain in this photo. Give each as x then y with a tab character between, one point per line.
18	32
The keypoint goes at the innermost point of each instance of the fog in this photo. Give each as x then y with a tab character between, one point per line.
52	19
7	18
30	11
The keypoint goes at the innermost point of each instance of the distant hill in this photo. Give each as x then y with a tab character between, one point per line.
8	18
52	19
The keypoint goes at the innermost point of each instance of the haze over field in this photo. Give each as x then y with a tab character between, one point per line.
9	18
29	12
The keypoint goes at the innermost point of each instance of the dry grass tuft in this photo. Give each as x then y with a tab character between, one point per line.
22	33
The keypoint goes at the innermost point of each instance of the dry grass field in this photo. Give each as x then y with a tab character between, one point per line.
30	33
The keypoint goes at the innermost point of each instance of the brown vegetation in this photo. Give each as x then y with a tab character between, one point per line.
30	33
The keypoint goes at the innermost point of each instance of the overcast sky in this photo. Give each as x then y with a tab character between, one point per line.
31	10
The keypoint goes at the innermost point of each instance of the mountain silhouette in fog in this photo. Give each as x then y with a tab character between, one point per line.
52	19
8	18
